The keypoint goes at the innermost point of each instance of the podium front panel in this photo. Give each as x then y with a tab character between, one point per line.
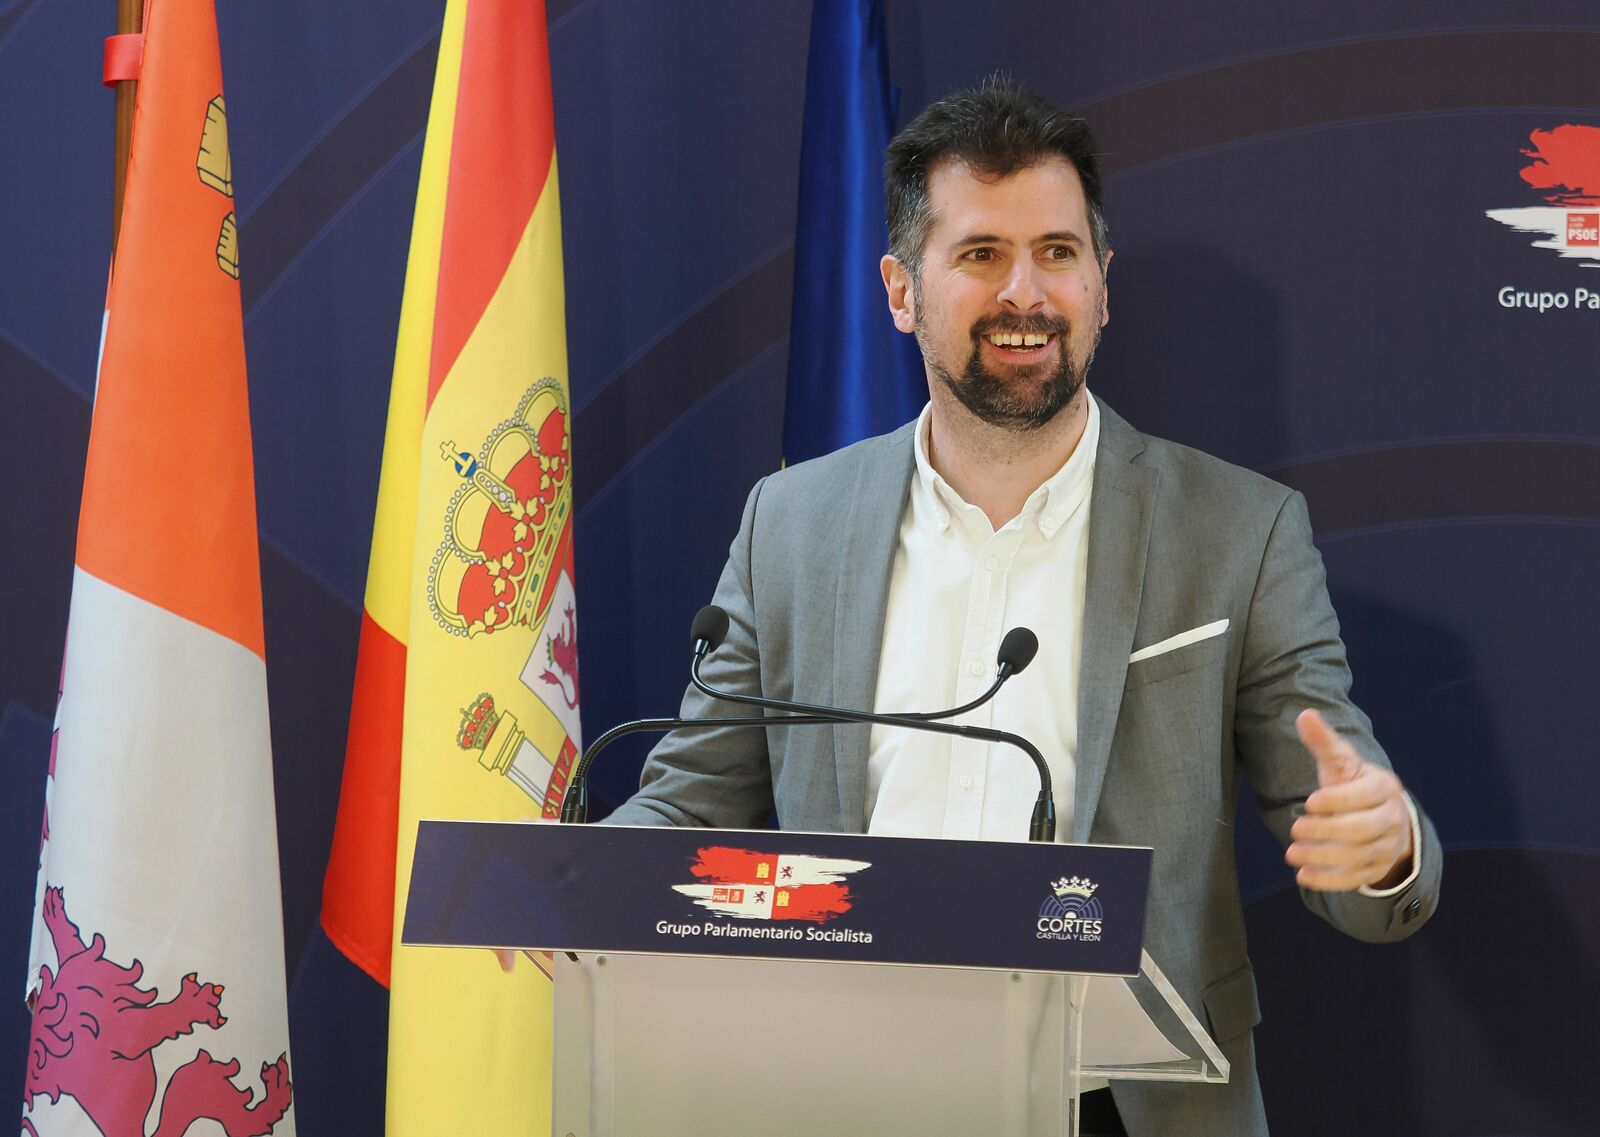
828	897
672	1046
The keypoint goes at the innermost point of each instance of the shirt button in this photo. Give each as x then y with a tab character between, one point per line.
992	563
976	668
966	781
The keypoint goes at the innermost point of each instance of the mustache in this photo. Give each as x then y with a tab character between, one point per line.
1026	325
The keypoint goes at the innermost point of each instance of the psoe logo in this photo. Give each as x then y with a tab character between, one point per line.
1071	912
1564	165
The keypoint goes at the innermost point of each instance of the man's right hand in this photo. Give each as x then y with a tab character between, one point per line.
508	957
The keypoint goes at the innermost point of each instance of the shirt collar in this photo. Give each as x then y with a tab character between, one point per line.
1048	507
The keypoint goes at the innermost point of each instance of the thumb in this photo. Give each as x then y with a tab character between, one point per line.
1336	762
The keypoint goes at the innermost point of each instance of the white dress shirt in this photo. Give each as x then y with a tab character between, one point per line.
957	587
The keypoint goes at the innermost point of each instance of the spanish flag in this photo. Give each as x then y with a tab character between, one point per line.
156	979
466	694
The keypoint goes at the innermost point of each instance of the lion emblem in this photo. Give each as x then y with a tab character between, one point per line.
94	1031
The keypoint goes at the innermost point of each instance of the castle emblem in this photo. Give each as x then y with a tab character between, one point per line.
214	164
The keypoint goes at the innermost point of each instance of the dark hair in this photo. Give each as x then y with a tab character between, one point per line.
997	128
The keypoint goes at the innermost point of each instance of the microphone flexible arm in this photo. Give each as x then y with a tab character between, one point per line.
1042	825
575	805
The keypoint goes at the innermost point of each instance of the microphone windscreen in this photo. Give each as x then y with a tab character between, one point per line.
1017	650
710	626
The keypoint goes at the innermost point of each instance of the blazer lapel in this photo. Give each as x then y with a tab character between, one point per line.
1120	510
871	533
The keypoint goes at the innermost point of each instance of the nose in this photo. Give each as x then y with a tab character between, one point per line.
1022	290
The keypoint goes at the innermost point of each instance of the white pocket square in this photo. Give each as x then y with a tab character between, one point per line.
1182	639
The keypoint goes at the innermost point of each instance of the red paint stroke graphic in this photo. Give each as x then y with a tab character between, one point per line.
817	902
751	885
1565	164
723	864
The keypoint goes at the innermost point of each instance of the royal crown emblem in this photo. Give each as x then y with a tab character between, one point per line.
1074	886
478	725
506	521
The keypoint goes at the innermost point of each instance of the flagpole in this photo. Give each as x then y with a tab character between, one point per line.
130	21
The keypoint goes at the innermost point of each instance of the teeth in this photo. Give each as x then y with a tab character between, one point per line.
1019	339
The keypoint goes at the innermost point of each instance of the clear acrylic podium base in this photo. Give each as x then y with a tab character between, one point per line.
673	1046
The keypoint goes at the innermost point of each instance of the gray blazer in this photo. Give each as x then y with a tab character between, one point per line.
1177	539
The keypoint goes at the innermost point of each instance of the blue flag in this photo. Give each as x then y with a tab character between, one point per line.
851	374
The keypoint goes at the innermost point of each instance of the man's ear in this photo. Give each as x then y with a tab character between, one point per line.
1105	290
902	297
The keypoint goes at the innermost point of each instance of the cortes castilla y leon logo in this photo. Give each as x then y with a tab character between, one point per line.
1071	912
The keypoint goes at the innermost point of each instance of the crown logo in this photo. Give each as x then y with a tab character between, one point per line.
477	723
496	737
1075	886
506	521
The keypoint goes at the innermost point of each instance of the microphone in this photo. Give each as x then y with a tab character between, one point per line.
706	633
710	628
1017	650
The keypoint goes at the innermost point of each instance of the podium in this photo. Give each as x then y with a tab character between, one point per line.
776	983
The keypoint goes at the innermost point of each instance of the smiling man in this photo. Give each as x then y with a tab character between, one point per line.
1186	638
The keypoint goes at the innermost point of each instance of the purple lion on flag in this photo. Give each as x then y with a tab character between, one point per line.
95	1031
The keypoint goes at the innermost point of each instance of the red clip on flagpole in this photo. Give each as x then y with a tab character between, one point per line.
124	57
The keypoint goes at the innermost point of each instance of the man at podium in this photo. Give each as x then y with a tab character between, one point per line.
1186	636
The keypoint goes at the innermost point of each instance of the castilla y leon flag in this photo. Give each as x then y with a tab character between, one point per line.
466	695
156	976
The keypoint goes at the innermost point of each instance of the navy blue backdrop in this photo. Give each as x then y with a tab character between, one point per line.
1306	282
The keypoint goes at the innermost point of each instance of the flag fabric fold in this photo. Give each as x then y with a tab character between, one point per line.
851	374
466	696
157	969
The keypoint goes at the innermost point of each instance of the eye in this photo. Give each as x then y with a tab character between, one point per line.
1059	252
982	254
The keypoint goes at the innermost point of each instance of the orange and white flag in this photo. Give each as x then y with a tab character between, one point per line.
157	971
466	695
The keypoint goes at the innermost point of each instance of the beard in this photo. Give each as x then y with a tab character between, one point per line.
1031	396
